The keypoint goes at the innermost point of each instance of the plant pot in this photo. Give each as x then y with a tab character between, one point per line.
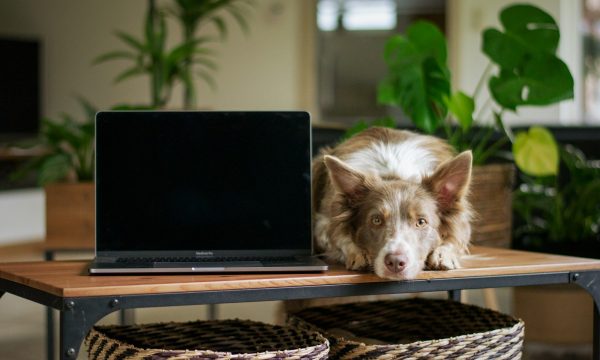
491	198
70	216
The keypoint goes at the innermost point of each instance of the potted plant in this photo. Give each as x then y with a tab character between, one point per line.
559	214
168	66
523	70
66	171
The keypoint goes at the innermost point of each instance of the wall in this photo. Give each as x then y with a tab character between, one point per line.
259	70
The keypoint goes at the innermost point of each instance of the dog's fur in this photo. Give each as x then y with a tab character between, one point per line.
392	201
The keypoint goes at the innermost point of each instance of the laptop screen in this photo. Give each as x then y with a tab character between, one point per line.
202	181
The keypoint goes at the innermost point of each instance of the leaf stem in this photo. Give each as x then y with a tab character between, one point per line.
484	76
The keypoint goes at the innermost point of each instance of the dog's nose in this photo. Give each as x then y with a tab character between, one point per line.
395	262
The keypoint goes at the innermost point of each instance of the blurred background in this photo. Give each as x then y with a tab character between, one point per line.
61	60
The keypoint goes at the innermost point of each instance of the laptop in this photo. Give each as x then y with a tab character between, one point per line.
203	192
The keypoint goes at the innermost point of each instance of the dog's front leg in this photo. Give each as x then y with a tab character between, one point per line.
444	257
354	257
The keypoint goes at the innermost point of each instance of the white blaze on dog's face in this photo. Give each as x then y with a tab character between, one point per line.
396	223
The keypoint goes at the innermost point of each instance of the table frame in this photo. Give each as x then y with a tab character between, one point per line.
79	314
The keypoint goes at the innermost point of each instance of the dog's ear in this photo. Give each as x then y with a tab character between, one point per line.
345	179
450	181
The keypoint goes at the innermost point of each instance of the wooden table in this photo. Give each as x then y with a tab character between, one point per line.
83	300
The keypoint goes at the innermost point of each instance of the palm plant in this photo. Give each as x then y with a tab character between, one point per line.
167	66
192	15
68	149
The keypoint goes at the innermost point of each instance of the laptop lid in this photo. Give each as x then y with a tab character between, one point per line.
203	183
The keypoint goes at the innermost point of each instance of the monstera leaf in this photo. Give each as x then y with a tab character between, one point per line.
530	72
536	152
418	78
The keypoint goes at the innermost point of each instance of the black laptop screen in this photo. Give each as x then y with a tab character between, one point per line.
202	181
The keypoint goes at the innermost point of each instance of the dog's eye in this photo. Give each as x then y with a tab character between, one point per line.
421	222
376	220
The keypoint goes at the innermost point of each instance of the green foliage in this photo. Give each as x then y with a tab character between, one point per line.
193	14
69	149
529	73
562	208
363	125
536	152
418	80
165	67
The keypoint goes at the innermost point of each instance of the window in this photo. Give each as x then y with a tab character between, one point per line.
351	38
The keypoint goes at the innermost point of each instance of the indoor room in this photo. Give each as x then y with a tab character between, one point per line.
512	86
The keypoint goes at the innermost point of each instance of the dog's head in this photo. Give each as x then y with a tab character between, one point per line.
395	222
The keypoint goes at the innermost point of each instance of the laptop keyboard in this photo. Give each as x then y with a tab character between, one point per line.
191	259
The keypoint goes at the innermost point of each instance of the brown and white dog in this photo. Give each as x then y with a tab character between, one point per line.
392	201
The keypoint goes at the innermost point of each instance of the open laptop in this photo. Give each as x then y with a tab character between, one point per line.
195	192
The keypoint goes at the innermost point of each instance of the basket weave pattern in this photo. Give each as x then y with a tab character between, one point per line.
414	329
199	340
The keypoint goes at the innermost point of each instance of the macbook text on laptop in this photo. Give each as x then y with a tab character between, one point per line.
189	192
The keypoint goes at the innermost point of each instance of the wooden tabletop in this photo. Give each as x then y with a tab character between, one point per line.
70	278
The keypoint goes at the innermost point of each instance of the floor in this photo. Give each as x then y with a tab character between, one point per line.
22	323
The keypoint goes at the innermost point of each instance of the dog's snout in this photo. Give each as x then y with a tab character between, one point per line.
395	263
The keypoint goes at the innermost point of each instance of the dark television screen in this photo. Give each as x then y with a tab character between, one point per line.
19	87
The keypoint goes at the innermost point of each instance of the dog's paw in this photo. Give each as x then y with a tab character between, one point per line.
356	261
444	257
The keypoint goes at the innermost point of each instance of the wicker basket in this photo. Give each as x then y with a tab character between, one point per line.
414	329
226	339
491	198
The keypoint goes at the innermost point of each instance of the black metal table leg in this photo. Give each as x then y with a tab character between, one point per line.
590	281
77	317
49	256
596	338
454	295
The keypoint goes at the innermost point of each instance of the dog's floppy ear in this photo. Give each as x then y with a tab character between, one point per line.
450	181
345	179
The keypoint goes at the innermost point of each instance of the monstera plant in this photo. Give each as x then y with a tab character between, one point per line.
523	70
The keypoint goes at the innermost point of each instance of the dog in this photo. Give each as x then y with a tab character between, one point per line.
393	202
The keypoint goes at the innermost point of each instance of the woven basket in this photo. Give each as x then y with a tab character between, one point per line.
199	340
491	198
414	329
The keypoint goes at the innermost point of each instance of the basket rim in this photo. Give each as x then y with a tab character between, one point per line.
517	326
422	343
323	341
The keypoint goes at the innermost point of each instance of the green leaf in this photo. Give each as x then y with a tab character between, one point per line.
204	61
505	50
221	26
89	109
536	152
462	106
545	79
133	71
113	55
208	79
131	41
355	129
418	78
54	168
530	72
532	25
387	121
429	40
122	107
